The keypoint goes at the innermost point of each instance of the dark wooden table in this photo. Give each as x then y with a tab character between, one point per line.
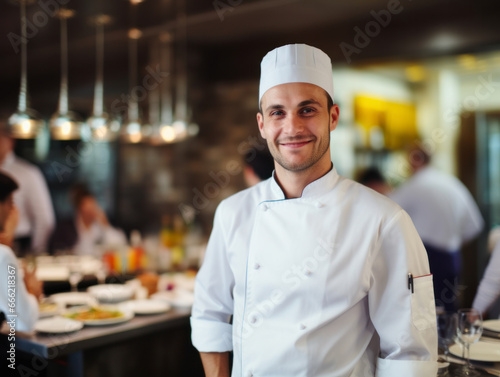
153	345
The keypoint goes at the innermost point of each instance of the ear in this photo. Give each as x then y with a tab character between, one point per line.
334	117
260	123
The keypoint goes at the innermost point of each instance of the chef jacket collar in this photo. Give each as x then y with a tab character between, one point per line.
317	188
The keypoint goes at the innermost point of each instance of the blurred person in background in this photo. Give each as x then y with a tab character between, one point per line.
88	228
36	214
27	288
372	177
259	166
445	215
489	288
493	238
306	273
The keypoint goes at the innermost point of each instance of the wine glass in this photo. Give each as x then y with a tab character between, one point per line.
447	329
101	273
469	330
75	277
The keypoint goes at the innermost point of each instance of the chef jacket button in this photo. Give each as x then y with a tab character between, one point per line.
249	373
265	207
302	326
308	272
256	266
319	204
253	320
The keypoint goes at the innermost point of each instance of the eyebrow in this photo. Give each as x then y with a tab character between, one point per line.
301	104
309	102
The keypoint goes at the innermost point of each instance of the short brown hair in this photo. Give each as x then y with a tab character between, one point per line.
7	186
79	192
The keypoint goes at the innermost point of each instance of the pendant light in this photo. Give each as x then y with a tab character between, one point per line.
132	132
65	124
102	127
154	95
25	123
181	110
164	131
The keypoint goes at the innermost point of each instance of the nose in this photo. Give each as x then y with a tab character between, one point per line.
294	125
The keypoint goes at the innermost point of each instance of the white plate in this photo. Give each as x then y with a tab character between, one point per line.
177	298
492	325
145	307
179	280
73	299
480	351
52	272
111	293
48	308
57	325
127	316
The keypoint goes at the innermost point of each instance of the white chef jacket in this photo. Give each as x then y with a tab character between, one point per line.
32	199
441	207
25	304
489	288
313	282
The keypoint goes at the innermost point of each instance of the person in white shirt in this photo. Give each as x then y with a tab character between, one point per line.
18	297
36	214
88	229
445	216
489	288
309	273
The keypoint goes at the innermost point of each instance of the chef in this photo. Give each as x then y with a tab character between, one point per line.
309	273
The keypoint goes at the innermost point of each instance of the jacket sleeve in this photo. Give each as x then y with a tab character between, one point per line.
404	320
472	221
40	211
489	288
213	305
15	300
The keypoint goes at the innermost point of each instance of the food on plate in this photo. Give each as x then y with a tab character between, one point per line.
95	313
149	280
47	306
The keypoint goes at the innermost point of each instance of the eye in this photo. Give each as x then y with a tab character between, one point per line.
307	110
277	113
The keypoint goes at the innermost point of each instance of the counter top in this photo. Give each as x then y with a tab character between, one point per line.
53	345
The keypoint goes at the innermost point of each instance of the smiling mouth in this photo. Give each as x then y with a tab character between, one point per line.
295	144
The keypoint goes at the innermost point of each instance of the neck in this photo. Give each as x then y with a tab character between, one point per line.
293	183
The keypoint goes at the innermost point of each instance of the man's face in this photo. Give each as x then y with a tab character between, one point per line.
89	209
5	208
296	124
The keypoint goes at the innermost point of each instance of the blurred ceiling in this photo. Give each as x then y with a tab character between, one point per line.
227	38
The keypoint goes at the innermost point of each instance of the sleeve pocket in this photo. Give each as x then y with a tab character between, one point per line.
423	311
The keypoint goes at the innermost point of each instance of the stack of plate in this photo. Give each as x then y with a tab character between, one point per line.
178	298
111	293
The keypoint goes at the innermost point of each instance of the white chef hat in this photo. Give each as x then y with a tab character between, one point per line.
296	63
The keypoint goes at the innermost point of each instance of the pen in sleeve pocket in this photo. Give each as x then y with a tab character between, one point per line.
410	282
